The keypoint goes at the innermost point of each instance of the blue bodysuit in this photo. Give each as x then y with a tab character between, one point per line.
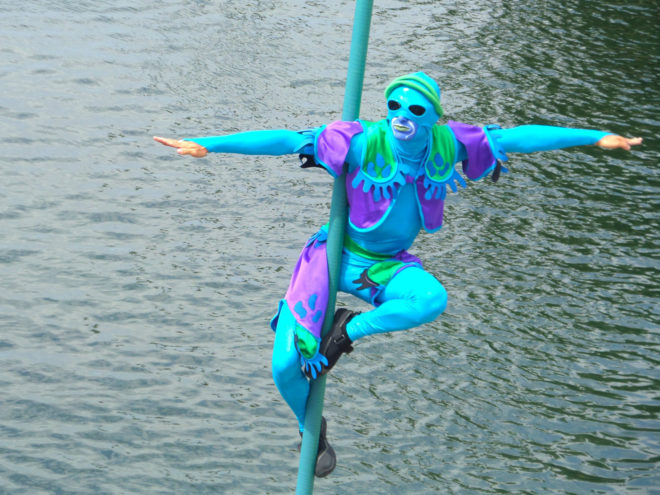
411	297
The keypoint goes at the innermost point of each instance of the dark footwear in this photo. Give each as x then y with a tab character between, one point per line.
336	342
326	460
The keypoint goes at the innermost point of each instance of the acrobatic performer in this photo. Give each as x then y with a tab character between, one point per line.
398	171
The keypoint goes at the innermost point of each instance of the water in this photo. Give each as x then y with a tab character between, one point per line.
136	285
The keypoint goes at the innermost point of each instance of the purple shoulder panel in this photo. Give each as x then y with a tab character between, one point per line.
480	158
333	143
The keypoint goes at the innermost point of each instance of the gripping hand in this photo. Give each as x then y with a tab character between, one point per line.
311	360
312	366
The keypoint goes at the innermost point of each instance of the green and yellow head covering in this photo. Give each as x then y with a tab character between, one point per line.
422	83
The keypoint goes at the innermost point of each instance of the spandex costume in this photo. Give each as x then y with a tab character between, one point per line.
398	173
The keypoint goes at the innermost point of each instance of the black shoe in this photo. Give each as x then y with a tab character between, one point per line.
336	342
326	460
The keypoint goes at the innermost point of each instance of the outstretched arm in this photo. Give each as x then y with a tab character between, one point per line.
531	138
276	142
482	149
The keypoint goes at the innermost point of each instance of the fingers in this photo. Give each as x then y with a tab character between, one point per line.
613	141
174	143
196	151
627	143
183	147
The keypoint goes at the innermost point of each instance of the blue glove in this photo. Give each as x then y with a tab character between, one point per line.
308	345
312	366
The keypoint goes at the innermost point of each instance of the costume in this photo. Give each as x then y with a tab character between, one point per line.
399	172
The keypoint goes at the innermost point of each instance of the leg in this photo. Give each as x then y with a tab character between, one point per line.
413	297
294	386
410	298
290	380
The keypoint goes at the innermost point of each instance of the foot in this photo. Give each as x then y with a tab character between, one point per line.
326	460
336	342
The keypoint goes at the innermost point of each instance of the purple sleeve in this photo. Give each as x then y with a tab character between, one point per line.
332	145
481	159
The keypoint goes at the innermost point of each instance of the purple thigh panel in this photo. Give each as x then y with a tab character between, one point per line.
307	296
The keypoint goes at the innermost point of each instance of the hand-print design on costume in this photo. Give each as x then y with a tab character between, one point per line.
379	171
439	175
381	188
438	169
303	309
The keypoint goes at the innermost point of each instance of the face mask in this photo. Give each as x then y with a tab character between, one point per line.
410	114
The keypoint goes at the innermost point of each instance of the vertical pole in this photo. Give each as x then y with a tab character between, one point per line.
335	243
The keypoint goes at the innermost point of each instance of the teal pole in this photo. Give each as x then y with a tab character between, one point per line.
335	243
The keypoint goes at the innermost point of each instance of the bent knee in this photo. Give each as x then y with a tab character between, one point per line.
431	303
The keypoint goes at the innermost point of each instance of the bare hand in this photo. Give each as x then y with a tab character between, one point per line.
184	147
612	142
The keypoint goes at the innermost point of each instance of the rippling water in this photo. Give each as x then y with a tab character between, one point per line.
136	286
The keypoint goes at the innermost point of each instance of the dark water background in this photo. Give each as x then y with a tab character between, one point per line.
136	286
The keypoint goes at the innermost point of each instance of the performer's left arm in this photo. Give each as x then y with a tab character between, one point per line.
482	149
531	138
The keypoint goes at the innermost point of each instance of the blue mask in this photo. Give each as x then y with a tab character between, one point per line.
411	114
414	107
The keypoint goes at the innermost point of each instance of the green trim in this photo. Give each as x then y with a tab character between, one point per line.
355	248
381	273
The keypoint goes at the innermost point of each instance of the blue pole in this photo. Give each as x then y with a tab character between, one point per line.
335	243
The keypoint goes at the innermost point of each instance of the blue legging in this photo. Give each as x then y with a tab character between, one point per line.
413	297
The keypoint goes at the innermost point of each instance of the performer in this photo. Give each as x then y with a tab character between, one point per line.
398	171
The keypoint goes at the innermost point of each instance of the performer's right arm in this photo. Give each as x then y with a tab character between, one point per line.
275	142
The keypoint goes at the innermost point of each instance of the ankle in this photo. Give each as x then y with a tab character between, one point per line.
354	328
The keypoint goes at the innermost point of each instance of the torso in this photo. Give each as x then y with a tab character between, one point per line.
399	230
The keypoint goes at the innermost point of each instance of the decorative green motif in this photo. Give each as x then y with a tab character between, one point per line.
439	167
379	170
306	342
380	274
379	163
